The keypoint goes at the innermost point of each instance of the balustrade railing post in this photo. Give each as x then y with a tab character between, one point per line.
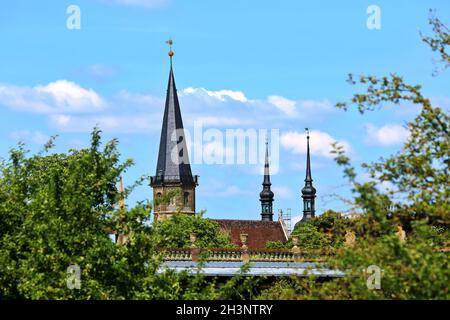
295	249
194	249
245	256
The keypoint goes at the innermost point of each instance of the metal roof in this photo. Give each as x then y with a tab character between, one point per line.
269	269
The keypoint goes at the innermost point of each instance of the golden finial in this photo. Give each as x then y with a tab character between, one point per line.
170	43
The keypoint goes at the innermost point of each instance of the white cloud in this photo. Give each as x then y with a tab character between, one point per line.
226	191
35	137
221	95
300	108
285	105
387	135
215	152
55	97
61	120
76	109
139	101
295	219
315	105
219	121
107	123
282	192
320	143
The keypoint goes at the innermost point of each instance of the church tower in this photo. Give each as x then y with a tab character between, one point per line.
173	170
266	195
308	191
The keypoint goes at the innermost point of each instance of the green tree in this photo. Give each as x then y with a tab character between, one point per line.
310	237
59	210
417	268
176	231
54	210
409	270
439	41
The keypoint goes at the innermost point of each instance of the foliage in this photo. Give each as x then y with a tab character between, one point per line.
54	210
416	268
176	231
57	210
440	40
241	287
310	237
421	168
278	245
410	270
334	225
321	232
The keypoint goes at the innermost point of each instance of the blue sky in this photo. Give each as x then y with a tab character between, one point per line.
246	64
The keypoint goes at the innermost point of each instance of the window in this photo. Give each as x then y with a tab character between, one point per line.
158	199
307	204
186	199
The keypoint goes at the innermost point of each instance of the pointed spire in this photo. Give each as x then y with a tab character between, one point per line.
266	165
266	195
308	191
308	159
173	159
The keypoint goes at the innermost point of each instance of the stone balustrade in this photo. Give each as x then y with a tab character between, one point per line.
243	253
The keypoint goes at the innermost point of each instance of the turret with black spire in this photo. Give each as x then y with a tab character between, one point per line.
308	191
266	195
173	170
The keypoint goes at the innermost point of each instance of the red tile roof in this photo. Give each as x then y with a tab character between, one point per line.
259	232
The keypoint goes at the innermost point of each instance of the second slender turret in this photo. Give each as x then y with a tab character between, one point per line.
308	191
266	195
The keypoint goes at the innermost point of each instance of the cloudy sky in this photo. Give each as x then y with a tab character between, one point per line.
238	65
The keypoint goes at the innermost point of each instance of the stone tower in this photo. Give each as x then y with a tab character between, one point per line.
173	170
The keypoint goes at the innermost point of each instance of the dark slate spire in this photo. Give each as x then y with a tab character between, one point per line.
308	178
266	195
308	191
173	160
266	181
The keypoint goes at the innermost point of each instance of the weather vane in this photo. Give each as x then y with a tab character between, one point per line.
170	43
